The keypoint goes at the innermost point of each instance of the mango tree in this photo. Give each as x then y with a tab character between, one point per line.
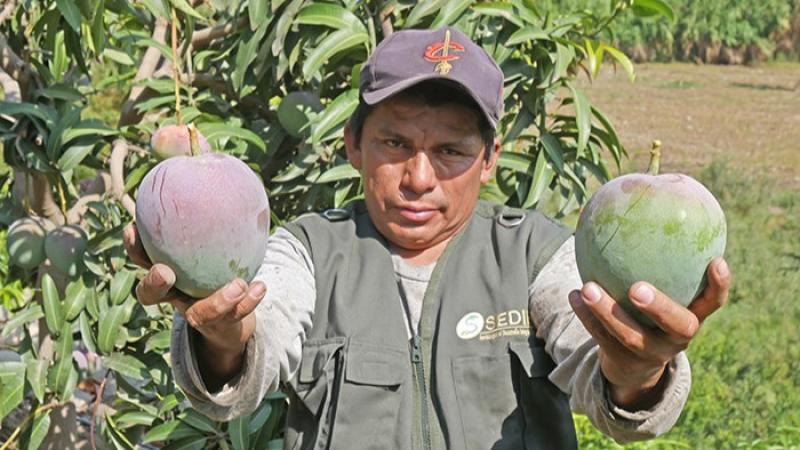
86	84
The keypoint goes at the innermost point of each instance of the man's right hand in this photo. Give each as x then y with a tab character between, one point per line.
225	320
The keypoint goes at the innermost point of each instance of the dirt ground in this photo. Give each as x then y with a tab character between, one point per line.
748	116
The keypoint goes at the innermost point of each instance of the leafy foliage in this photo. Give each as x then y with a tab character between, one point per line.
68	64
700	27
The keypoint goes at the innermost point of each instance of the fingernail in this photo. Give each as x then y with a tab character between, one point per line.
257	290
157	277
165	274
591	293
233	290
644	295
722	269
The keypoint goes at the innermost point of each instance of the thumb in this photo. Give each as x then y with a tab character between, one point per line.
217	305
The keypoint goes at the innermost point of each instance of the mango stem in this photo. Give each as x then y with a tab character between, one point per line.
655	156
194	144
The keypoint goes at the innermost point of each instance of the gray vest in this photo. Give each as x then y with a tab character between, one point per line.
474	378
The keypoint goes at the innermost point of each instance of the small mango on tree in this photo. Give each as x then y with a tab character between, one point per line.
87	83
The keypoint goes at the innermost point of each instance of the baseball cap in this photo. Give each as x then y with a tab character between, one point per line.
408	57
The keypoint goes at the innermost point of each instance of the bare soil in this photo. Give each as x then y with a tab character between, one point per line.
746	116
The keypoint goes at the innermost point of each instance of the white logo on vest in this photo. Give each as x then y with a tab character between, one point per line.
508	323
470	325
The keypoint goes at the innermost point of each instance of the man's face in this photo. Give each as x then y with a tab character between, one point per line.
422	167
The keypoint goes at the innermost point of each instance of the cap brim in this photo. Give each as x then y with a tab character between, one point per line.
382	94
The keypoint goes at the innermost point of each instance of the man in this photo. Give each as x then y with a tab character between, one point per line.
420	317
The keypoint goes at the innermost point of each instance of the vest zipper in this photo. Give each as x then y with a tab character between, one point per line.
417	360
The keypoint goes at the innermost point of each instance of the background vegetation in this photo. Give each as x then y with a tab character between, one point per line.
711	31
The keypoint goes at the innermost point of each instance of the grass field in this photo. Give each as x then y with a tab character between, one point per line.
749	116
737	130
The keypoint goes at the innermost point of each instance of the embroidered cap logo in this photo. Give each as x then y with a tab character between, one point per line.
440	52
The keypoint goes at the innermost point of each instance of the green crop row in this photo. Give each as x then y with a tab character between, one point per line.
709	30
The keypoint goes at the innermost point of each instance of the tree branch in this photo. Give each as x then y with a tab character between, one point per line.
117	162
203	37
385	17
36	189
10	87
11	63
148	65
79	208
8	11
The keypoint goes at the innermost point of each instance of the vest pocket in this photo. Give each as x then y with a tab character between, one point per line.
311	392
487	402
370	401
545	408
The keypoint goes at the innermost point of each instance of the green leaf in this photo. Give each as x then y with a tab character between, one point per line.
421	10
73	157
75	298
169	403
564	57
10	394
131	418
98	27
257	10
71	13
62	374
12	385
622	59
158	341
135	176
109	325
450	12
35	434
217	131
617	149
527	34
126	365
86	330
184	7
336	113
121	285
498	9
199	421
340	172
246	53
60	92
259	417
188	443
36	372
552	146
334	43
65	122
173	430
53	314
518	162
591	56
542	176
647	8
330	15
29	314
583	118
158	8
118	57
90	127
284	25
239	432
43	112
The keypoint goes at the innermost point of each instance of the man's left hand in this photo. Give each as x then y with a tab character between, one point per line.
634	357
